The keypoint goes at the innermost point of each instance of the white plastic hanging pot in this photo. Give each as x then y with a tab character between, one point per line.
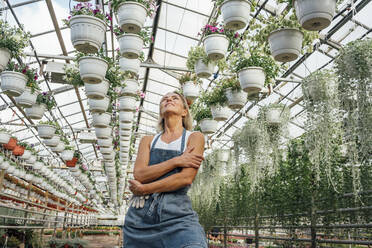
273	116
235	13
46	131
26	155
98	106
132	65
4	58
208	126
13	83
87	33
27	99
203	70
106	150
67	155
315	15
125	138
109	157
130	45
59	148
125	143
215	45
31	160
252	79
127	103
101	120
190	90
223	155
220	113
131	87
125	133
5	137
105	142
124	126
5	165
236	99
92	69
36	112
103	133
131	16
97	91
54	141
126	116
286	44
38	165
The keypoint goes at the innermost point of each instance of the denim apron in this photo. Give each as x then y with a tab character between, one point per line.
167	219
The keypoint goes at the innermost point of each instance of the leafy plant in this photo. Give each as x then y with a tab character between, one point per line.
29	73
229	82
150	5
196	53
13	39
87	9
201	112
189	77
72	75
217	28
47	99
145	34
52	123
214	97
319	86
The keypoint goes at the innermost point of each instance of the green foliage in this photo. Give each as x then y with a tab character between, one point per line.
200	112
319	86
52	123
218	28
196	53
47	99
72	75
86	9
13	39
189	77
229	82
214	97
28	72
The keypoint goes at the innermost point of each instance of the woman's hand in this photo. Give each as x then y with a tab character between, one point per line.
189	160
136	187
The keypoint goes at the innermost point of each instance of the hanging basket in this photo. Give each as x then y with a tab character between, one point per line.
132	65
106	150
54	141
235	13
315	15
36	112
125	133
127	103
223	155
101	120
87	33
252	79
98	106
126	116
27	99
4	58
286	44
92	69
11	144
273	116
72	162
26	155
103	133
215	45
46	131
190	90
220	113
208	126
105	142
236	99
131	87
130	45
59	148
131	16
97	91
4	137
31	160
125	126
18	150
67	155
203	70
13	83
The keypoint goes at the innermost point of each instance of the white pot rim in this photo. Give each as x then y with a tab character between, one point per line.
92	57
226	1
285	29
132	3
129	34
45	125
89	17
252	67
15	72
214	35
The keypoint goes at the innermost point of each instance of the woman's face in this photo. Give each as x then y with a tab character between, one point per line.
172	103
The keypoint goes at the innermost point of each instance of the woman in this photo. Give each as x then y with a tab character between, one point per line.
160	213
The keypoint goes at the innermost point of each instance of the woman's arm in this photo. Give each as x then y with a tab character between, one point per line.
144	173
178	180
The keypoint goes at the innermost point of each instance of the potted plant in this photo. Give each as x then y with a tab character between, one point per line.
29	95
12	42
103	133
125	126
217	40
47	129
319	86
132	14
131	65
313	15
76	159
274	114
88	27
19	149
131	85
128	103
235	13
190	86
60	147
11	143
99	106
217	100
97	91
101	120
254	70
131	44
13	79
68	153
285	37
92	67
44	101
203	116
52	142
4	136
197	60
236	97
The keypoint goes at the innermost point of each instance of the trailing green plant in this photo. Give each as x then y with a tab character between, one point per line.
72	75
13	39
196	53
47	99
319	86
28	72
150	5
229	82
200	112
87	9
78	155
51	123
215	97
187	77
145	34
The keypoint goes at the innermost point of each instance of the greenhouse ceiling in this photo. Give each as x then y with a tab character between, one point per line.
175	29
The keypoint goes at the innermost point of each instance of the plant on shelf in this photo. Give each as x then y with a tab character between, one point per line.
47	99
196	53
87	9
150	5
145	34
13	39
28	72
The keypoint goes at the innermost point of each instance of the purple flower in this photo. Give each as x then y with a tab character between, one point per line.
44	93
236	35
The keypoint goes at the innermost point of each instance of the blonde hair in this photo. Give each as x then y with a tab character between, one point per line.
186	121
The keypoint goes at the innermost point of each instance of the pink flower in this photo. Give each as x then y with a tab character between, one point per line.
152	38
143	94
137	109
236	35
68	18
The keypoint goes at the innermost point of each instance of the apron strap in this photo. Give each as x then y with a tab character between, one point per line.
183	140
156	140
